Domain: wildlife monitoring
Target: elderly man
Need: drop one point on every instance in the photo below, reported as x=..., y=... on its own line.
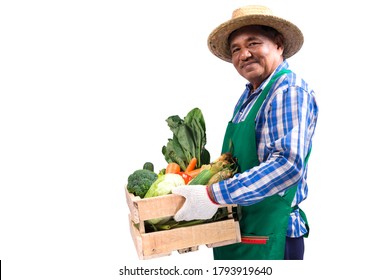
x=270, y=135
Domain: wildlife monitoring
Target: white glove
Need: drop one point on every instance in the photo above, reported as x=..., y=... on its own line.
x=197, y=206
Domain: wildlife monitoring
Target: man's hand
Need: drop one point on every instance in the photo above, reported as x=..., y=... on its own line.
x=197, y=206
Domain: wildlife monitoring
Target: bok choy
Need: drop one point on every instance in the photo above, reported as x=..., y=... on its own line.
x=188, y=141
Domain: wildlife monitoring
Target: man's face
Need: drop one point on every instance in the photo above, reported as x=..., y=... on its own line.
x=254, y=55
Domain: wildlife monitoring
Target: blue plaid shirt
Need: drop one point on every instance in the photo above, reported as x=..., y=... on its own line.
x=285, y=126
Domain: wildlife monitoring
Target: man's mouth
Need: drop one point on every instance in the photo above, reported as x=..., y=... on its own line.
x=246, y=64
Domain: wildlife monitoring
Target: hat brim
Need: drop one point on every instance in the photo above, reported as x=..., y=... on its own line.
x=218, y=38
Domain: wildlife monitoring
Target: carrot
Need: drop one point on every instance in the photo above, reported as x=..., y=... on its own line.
x=191, y=165
x=194, y=173
x=172, y=167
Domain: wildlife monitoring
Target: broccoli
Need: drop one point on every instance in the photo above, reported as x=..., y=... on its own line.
x=140, y=181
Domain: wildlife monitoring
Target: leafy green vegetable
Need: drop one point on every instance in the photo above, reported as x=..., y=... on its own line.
x=188, y=141
x=164, y=185
x=139, y=182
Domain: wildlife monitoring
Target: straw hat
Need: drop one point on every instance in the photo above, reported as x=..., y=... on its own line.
x=254, y=15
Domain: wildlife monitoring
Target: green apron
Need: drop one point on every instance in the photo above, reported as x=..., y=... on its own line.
x=264, y=224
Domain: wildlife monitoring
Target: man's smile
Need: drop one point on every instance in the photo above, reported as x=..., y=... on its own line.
x=247, y=64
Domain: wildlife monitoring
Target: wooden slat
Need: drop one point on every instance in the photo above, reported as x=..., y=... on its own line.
x=163, y=242
x=138, y=243
x=158, y=207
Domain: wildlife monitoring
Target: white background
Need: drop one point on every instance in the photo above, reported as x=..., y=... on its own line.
x=86, y=87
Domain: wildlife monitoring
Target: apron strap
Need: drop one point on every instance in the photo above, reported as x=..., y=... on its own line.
x=262, y=94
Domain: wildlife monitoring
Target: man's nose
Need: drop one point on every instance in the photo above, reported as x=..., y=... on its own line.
x=245, y=54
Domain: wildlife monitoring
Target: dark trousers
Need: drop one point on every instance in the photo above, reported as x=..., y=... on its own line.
x=295, y=248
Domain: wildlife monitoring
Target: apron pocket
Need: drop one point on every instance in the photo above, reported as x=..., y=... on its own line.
x=254, y=239
x=269, y=247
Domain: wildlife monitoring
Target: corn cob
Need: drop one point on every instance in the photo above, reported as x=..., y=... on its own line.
x=203, y=177
x=225, y=157
x=221, y=175
x=224, y=162
x=206, y=174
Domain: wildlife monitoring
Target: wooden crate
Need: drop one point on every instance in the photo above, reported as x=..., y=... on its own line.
x=184, y=239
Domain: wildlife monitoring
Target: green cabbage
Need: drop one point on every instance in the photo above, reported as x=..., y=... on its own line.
x=162, y=186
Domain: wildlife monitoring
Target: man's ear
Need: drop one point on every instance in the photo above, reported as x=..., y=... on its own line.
x=279, y=40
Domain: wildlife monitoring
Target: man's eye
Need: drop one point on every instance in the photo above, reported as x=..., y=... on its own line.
x=235, y=50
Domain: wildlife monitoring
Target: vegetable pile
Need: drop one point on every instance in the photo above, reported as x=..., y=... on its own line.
x=188, y=163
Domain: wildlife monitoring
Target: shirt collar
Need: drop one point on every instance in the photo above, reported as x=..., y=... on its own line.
x=249, y=87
